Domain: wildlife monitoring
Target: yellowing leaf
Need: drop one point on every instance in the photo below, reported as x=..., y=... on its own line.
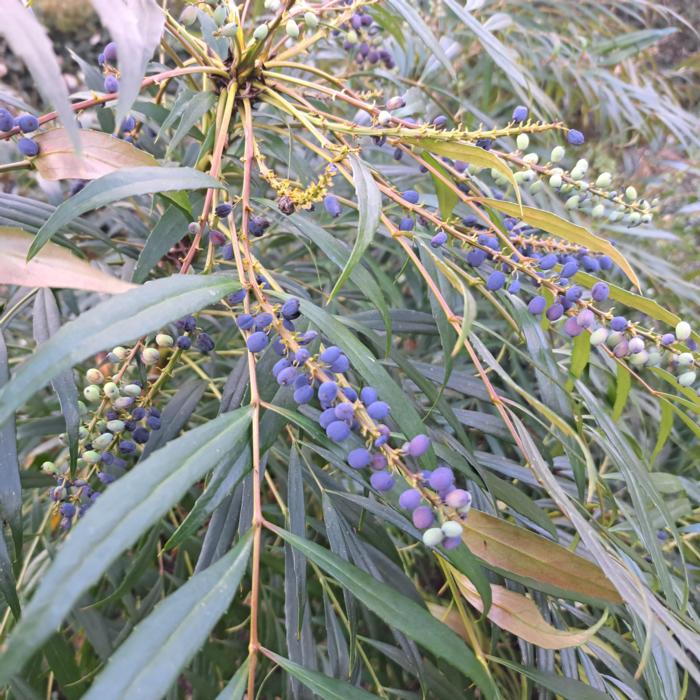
x=517, y=553
x=470, y=154
x=54, y=266
x=101, y=154
x=551, y=223
x=520, y=616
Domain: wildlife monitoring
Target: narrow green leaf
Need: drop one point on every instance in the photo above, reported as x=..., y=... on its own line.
x=325, y=686
x=369, y=202
x=400, y=612
x=236, y=687
x=580, y=354
x=622, y=390
x=418, y=25
x=120, y=185
x=447, y=199
x=665, y=426
x=124, y=511
x=150, y=660
x=119, y=319
x=7, y=578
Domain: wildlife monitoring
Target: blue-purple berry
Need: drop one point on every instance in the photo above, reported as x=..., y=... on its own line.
x=245, y=321
x=141, y=435
x=338, y=431
x=257, y=341
x=575, y=137
x=27, y=123
x=410, y=499
x=406, y=224
x=439, y=239
x=327, y=391
x=547, y=262
x=7, y=123
x=304, y=394
x=345, y=411
x=423, y=517
x=537, y=305
x=569, y=269
x=184, y=342
x=332, y=205
x=378, y=410
x=418, y=445
x=495, y=281
x=205, y=343
x=600, y=291
x=382, y=481
x=572, y=328
x=342, y=364
x=359, y=458
x=368, y=395
x=618, y=323
x=520, y=113
x=153, y=422
x=126, y=447
x=111, y=84
x=441, y=478
x=410, y=196
x=28, y=147
x=291, y=309
x=110, y=52
x=223, y=210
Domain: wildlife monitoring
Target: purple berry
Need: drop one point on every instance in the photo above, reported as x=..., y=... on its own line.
x=441, y=478
x=330, y=354
x=188, y=324
x=423, y=517
x=287, y=376
x=326, y=417
x=520, y=113
x=129, y=124
x=451, y=542
x=382, y=481
x=514, y=287
x=458, y=498
x=223, y=210
x=537, y=305
x=67, y=510
x=378, y=462
x=668, y=339
x=495, y=281
x=368, y=395
x=7, y=123
x=332, y=205
x=605, y=262
x=291, y=309
x=263, y=321
x=410, y=499
x=569, y=269
x=338, y=431
x=439, y=239
x=304, y=394
x=359, y=458
x=139, y=413
x=237, y=297
x=257, y=341
x=327, y=392
x=476, y=257
x=406, y=224
x=600, y=291
x=618, y=323
x=575, y=138
x=573, y=294
x=27, y=123
x=184, y=342
x=257, y=226
x=572, y=328
x=636, y=345
x=245, y=321
x=440, y=122
x=205, y=343
x=28, y=147
x=141, y=435
x=344, y=411
x=111, y=84
x=411, y=196
x=110, y=52
x=126, y=447
x=585, y=319
x=153, y=422
x=418, y=445
x=621, y=349
x=341, y=365
x=378, y=410
x=548, y=261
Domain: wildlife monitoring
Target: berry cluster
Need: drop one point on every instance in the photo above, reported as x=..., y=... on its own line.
x=363, y=38
x=26, y=124
x=108, y=60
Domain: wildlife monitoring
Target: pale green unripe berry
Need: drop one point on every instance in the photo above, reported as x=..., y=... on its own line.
x=535, y=187
x=555, y=181
x=452, y=528
x=292, y=29
x=132, y=390
x=646, y=218
x=630, y=194
x=685, y=359
x=519, y=176
x=522, y=141
x=103, y=441
x=473, y=169
x=529, y=176
x=94, y=376
x=613, y=216
x=115, y=426
x=634, y=218
x=599, y=336
x=229, y=30
x=352, y=37
x=683, y=330
x=111, y=390
x=572, y=202
x=82, y=433
x=120, y=352
x=163, y=340
x=310, y=20
x=433, y=536
x=639, y=358
x=614, y=338
x=48, y=467
x=604, y=180
x=189, y=15
x=557, y=155
x=384, y=117
x=654, y=358
x=687, y=378
x=91, y=457
x=261, y=32
x=91, y=393
x=598, y=211
x=531, y=158
x=566, y=188
x=582, y=164
x=150, y=356
x=578, y=174
x=220, y=15
x=82, y=408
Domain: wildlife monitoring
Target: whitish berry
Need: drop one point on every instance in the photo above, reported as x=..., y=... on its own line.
x=522, y=142
x=683, y=331
x=310, y=20
x=111, y=390
x=452, y=528
x=150, y=356
x=458, y=498
x=433, y=537
x=91, y=393
x=557, y=155
x=599, y=336
x=94, y=376
x=603, y=181
x=292, y=29
x=687, y=378
x=261, y=32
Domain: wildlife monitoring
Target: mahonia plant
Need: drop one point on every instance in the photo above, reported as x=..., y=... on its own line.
x=374, y=399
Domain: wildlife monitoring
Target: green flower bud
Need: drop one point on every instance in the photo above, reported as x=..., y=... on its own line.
x=598, y=211
x=163, y=340
x=132, y=390
x=603, y=181
x=630, y=194
x=91, y=393
x=683, y=330
x=522, y=142
x=599, y=336
x=687, y=378
x=452, y=528
x=188, y=16
x=48, y=467
x=94, y=376
x=91, y=457
x=292, y=29
x=310, y=20
x=261, y=32
x=111, y=390
x=150, y=356
x=572, y=202
x=557, y=155
x=555, y=181
x=433, y=536
x=103, y=441
x=115, y=426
